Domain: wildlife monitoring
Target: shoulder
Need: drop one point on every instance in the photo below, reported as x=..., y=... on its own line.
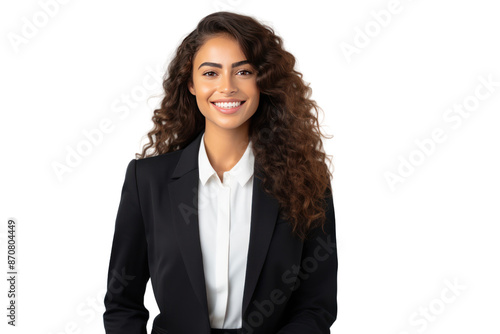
x=161, y=167
x=157, y=167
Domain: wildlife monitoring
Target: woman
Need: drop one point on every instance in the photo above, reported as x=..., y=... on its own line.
x=231, y=214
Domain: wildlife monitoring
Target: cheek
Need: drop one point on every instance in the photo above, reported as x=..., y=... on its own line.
x=254, y=93
x=253, y=90
x=205, y=91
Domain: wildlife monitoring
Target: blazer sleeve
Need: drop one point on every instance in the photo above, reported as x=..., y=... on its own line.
x=313, y=304
x=128, y=271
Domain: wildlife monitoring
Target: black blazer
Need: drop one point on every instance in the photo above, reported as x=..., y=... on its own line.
x=156, y=236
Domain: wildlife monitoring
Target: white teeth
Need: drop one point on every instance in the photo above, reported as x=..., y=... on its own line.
x=227, y=105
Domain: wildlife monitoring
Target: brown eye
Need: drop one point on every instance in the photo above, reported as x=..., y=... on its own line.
x=205, y=74
x=248, y=72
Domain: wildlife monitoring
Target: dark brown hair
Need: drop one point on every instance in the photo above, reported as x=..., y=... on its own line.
x=285, y=134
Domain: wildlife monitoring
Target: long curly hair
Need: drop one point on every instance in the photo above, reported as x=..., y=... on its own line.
x=285, y=133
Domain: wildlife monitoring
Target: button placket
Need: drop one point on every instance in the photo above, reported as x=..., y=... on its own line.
x=222, y=248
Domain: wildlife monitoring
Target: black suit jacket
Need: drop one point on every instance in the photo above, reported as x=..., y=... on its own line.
x=157, y=237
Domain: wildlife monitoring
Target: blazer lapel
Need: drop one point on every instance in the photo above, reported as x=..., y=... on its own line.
x=183, y=191
x=264, y=216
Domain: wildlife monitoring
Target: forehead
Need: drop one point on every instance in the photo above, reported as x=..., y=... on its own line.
x=220, y=49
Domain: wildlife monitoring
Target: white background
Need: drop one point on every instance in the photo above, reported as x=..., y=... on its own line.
x=397, y=246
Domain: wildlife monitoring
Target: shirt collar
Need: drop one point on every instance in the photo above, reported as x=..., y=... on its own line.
x=242, y=171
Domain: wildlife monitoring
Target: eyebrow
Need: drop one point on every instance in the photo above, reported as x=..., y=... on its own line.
x=220, y=66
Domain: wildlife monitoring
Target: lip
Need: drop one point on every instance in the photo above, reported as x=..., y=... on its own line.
x=228, y=111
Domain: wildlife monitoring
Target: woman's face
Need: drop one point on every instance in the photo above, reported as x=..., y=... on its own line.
x=221, y=73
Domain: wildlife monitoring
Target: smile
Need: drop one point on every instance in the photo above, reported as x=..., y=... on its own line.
x=228, y=105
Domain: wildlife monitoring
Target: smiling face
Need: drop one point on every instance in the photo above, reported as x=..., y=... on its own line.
x=225, y=84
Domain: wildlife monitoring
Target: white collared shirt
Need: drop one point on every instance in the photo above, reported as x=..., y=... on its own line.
x=224, y=212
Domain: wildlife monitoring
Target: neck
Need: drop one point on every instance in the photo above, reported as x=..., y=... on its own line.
x=225, y=147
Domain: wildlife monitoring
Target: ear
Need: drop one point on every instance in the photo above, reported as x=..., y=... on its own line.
x=191, y=87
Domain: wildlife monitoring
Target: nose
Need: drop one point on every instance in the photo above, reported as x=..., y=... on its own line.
x=227, y=84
